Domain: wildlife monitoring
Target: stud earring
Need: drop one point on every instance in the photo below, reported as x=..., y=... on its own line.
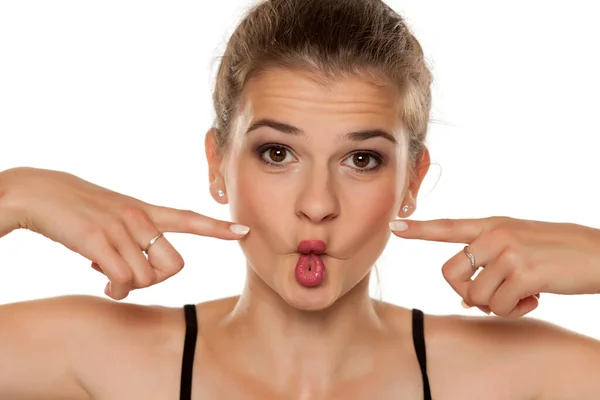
x=220, y=193
x=405, y=208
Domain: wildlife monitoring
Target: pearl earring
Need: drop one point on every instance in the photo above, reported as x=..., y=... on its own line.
x=405, y=208
x=220, y=193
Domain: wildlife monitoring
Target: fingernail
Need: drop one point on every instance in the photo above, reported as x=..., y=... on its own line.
x=398, y=225
x=239, y=229
x=465, y=305
x=107, y=289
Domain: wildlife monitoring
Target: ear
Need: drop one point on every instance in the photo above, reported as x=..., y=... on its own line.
x=214, y=157
x=410, y=198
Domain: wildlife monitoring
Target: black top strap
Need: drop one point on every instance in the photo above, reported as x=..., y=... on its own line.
x=189, y=349
x=191, y=333
x=419, y=342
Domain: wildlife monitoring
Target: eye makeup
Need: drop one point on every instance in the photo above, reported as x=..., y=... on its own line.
x=360, y=161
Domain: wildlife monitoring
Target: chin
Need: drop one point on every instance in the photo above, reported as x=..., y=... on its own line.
x=318, y=299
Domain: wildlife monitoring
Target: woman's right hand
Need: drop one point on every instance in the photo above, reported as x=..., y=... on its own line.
x=110, y=229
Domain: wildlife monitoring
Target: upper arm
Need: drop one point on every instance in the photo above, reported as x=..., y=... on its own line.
x=566, y=363
x=41, y=346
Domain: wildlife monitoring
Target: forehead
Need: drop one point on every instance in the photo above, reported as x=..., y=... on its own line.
x=300, y=99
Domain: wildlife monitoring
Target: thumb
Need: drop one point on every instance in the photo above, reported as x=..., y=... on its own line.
x=185, y=221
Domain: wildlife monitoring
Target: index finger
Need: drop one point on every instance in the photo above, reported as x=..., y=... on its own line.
x=443, y=230
x=185, y=221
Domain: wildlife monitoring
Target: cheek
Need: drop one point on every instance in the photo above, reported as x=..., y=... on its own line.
x=368, y=211
x=254, y=197
x=256, y=200
x=375, y=204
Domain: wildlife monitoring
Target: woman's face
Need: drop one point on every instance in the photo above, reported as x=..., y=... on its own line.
x=309, y=161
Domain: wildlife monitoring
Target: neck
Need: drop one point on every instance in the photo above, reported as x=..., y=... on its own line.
x=304, y=349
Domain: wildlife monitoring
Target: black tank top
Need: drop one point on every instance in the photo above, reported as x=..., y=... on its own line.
x=191, y=333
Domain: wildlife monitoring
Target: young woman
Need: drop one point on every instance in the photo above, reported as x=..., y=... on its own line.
x=319, y=146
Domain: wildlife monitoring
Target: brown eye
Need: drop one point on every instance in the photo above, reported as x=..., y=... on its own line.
x=277, y=154
x=361, y=160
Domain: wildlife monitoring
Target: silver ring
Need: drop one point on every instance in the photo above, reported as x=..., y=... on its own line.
x=154, y=239
x=471, y=258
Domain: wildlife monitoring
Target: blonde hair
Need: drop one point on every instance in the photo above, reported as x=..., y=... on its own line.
x=329, y=38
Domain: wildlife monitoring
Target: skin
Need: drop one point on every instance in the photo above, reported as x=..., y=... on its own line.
x=300, y=351
x=279, y=340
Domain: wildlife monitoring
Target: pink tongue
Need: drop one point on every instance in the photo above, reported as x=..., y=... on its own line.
x=310, y=270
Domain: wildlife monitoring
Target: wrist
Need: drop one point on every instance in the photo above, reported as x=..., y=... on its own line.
x=596, y=260
x=10, y=211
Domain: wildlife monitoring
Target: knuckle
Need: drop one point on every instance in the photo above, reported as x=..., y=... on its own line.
x=185, y=218
x=94, y=234
x=498, y=307
x=178, y=263
x=477, y=296
x=499, y=220
x=91, y=240
x=175, y=264
x=511, y=259
x=447, y=224
x=447, y=271
x=144, y=280
x=187, y=213
x=134, y=215
x=114, y=228
x=122, y=276
x=501, y=233
x=450, y=271
x=194, y=216
x=499, y=311
x=88, y=229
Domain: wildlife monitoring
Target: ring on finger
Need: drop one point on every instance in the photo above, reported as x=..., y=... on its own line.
x=152, y=241
x=471, y=259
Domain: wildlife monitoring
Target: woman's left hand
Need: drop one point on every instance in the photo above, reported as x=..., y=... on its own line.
x=520, y=259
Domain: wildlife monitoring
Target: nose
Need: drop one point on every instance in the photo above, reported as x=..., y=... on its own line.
x=317, y=199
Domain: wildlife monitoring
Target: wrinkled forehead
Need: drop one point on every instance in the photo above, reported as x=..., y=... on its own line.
x=327, y=109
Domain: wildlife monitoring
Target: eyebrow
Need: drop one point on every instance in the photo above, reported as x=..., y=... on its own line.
x=357, y=136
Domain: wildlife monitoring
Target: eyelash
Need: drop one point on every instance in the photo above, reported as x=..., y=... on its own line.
x=264, y=148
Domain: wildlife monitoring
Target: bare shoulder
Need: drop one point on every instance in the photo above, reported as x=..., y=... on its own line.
x=130, y=349
x=95, y=324
x=518, y=357
x=68, y=344
x=137, y=349
x=83, y=347
x=89, y=317
x=499, y=358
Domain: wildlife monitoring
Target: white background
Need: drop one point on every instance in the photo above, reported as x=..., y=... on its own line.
x=118, y=93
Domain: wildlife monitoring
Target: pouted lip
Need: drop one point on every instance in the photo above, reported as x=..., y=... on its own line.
x=312, y=246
